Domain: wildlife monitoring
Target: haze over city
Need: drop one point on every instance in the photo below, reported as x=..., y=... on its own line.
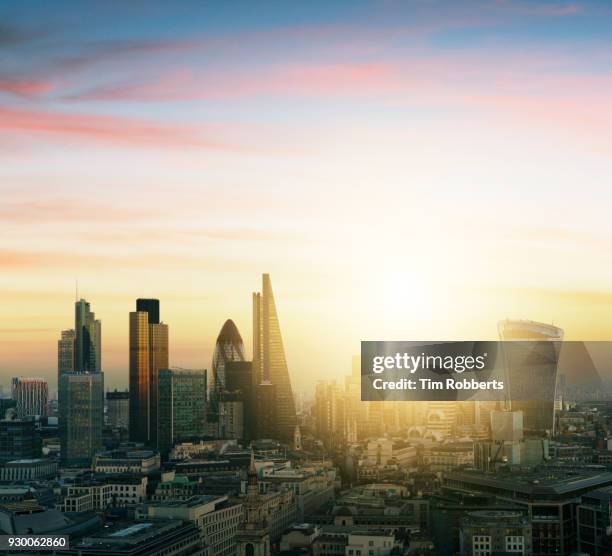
x=402, y=170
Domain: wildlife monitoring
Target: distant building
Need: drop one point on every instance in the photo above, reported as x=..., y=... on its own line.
x=88, y=339
x=148, y=354
x=269, y=362
x=181, y=399
x=531, y=356
x=81, y=416
x=28, y=470
x=31, y=396
x=127, y=460
x=5, y=405
x=66, y=352
x=19, y=439
x=100, y=491
x=266, y=410
x=118, y=409
x=228, y=348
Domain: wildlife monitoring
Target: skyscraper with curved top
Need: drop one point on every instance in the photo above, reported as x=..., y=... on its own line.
x=269, y=362
x=229, y=347
x=531, y=356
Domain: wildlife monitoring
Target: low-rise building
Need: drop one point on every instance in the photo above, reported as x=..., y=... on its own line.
x=216, y=516
x=127, y=460
x=28, y=469
x=495, y=532
x=103, y=491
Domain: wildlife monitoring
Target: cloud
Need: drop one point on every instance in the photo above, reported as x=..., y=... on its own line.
x=116, y=130
x=25, y=87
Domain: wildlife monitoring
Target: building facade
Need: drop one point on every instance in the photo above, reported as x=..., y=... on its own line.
x=269, y=361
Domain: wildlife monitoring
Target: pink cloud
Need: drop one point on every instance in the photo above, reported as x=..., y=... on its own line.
x=108, y=129
x=24, y=87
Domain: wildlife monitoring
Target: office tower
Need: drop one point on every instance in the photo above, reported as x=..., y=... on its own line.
x=31, y=396
x=182, y=406
x=88, y=339
x=531, y=354
x=149, y=306
x=19, y=438
x=81, y=415
x=239, y=381
x=148, y=354
x=328, y=412
x=269, y=363
x=229, y=347
x=118, y=409
x=231, y=415
x=253, y=538
x=266, y=410
x=66, y=352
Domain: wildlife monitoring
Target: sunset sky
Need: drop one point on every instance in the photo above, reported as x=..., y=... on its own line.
x=411, y=170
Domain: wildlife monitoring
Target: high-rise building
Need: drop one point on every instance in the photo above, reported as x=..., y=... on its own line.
x=148, y=354
x=19, y=438
x=149, y=306
x=228, y=348
x=269, y=362
x=182, y=406
x=88, y=339
x=31, y=396
x=81, y=415
x=239, y=382
x=266, y=410
x=118, y=409
x=66, y=352
x=531, y=355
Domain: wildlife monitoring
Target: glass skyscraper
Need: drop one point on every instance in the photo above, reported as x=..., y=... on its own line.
x=148, y=354
x=81, y=415
x=531, y=356
x=182, y=407
x=269, y=363
x=88, y=339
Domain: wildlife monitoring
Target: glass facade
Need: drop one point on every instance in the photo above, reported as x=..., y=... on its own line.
x=269, y=363
x=81, y=415
x=182, y=407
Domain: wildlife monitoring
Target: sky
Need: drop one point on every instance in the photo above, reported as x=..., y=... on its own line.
x=413, y=170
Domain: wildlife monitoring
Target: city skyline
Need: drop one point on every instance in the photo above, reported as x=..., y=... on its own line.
x=394, y=169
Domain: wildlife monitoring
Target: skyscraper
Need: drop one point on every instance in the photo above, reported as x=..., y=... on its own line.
x=88, y=339
x=118, y=409
x=81, y=415
x=148, y=354
x=31, y=396
x=531, y=355
x=229, y=348
x=66, y=352
x=269, y=363
x=182, y=414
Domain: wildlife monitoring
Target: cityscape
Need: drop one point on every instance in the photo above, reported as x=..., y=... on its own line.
x=229, y=460
x=324, y=278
